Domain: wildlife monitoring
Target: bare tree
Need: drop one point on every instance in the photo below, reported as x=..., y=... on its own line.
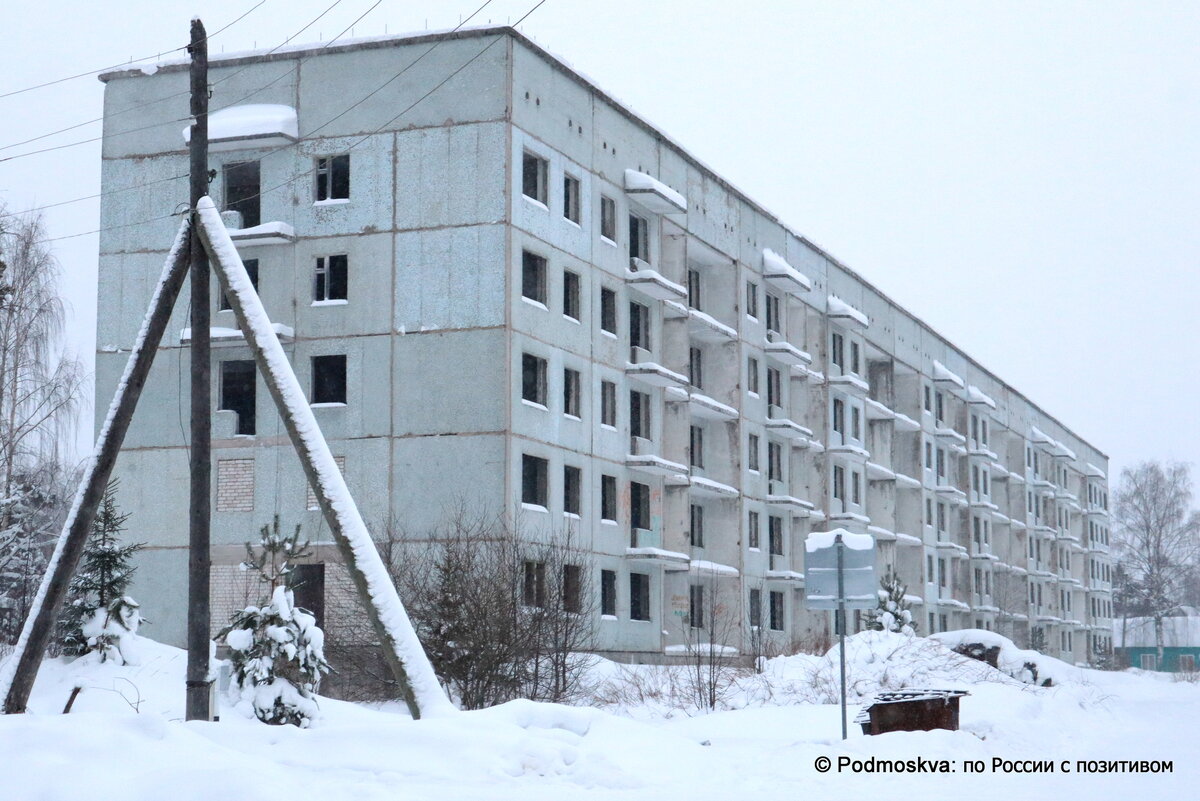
x=1155, y=534
x=709, y=628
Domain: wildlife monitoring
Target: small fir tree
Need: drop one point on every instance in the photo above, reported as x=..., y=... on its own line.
x=276, y=648
x=894, y=612
x=100, y=617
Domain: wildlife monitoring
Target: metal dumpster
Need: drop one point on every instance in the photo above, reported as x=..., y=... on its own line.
x=911, y=710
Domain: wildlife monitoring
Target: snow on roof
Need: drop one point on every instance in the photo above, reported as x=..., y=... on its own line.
x=1041, y=437
x=840, y=308
x=705, y=566
x=1094, y=472
x=251, y=121
x=664, y=197
x=825, y=539
x=943, y=373
x=774, y=264
x=977, y=395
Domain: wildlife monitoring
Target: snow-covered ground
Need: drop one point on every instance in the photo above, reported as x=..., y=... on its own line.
x=124, y=738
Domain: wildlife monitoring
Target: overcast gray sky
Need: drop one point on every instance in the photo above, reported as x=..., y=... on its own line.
x=1023, y=176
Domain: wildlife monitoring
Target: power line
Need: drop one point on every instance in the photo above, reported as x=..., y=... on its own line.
x=131, y=61
x=92, y=197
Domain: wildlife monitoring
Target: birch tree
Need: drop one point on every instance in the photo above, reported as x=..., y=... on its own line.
x=1156, y=536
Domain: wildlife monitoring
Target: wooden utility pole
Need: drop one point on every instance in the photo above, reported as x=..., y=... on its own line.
x=16, y=679
x=199, y=558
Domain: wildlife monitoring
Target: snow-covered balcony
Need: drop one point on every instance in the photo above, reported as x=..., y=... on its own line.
x=706, y=328
x=780, y=500
x=780, y=424
x=842, y=312
x=228, y=337
x=785, y=352
x=706, y=408
x=653, y=195
x=643, y=458
x=708, y=488
x=642, y=278
x=782, y=276
x=268, y=233
x=850, y=383
x=645, y=546
x=254, y=125
x=642, y=367
x=945, y=377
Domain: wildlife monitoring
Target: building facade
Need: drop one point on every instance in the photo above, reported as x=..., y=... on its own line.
x=503, y=288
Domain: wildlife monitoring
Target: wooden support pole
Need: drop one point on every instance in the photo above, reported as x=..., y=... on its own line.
x=417, y=683
x=200, y=459
x=19, y=672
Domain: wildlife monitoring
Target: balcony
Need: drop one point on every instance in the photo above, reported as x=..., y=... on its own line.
x=270, y=233
x=708, y=488
x=842, y=312
x=850, y=383
x=653, y=195
x=706, y=328
x=779, y=499
x=642, y=457
x=706, y=408
x=645, y=546
x=254, y=125
x=781, y=425
x=778, y=274
x=785, y=352
x=643, y=368
x=219, y=336
x=641, y=277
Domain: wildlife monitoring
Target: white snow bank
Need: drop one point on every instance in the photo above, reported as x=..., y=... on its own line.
x=1030, y=667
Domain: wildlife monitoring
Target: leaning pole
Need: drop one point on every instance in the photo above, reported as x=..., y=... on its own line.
x=18, y=673
x=415, y=678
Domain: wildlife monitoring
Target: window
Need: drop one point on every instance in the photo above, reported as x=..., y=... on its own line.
x=855, y=422
x=839, y=416
x=639, y=414
x=696, y=606
x=941, y=462
x=533, y=276
x=329, y=379
x=939, y=406
x=855, y=487
x=696, y=367
x=854, y=358
x=696, y=532
x=331, y=278
x=693, y=289
x=639, y=505
x=572, y=393
x=776, y=611
x=696, y=446
x=774, y=461
x=639, y=326
x=608, y=218
x=533, y=379
x=755, y=605
x=774, y=387
x=237, y=393
x=333, y=177
x=533, y=588
x=571, y=198
x=751, y=299
x=608, y=403
x=930, y=576
x=608, y=311
x=307, y=583
x=251, y=266
x=775, y=535
x=837, y=349
x=1187, y=663
x=752, y=531
x=243, y=192
x=572, y=482
x=941, y=518
x=608, y=593
x=943, y=577
x=570, y=294
x=639, y=238
x=839, y=482
x=534, y=171
x=928, y=455
x=752, y=448
x=639, y=596
x=608, y=498
x=928, y=405
x=752, y=375
x=533, y=480
x=572, y=589
x=774, y=320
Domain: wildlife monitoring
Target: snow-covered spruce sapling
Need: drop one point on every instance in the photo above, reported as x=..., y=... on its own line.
x=894, y=612
x=100, y=617
x=276, y=648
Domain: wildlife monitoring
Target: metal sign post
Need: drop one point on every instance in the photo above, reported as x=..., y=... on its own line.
x=839, y=574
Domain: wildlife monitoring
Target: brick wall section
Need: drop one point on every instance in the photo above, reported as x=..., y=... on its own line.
x=310, y=498
x=232, y=589
x=235, y=485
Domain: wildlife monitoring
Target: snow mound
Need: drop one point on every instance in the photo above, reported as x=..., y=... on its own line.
x=882, y=660
x=1030, y=667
